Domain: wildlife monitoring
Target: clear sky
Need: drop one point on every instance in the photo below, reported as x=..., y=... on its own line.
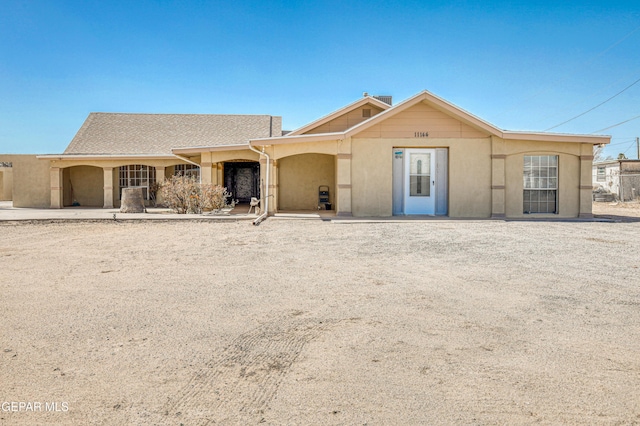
x=521, y=65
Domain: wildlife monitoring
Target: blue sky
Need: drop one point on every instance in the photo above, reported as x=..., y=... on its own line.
x=519, y=65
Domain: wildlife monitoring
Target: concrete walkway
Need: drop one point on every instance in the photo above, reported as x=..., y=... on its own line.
x=10, y=213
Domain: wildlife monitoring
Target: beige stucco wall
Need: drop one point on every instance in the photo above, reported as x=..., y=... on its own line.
x=485, y=172
x=6, y=183
x=469, y=175
x=84, y=185
x=299, y=177
x=421, y=118
x=87, y=177
x=569, y=174
x=469, y=161
x=330, y=147
x=31, y=181
x=345, y=121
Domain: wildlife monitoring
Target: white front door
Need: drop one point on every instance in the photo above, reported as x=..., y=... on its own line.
x=419, y=184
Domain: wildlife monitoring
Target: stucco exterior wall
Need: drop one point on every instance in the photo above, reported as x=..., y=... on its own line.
x=345, y=121
x=299, y=177
x=569, y=176
x=6, y=183
x=31, y=182
x=84, y=185
x=485, y=171
x=421, y=118
x=329, y=147
x=469, y=175
x=87, y=177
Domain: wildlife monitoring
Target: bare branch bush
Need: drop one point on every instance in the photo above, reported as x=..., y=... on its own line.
x=183, y=194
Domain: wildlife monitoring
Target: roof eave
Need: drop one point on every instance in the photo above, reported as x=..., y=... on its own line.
x=316, y=137
x=199, y=149
x=102, y=156
x=557, y=137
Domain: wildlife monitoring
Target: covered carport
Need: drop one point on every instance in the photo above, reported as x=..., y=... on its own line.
x=301, y=177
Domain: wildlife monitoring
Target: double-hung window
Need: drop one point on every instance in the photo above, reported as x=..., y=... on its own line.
x=540, y=184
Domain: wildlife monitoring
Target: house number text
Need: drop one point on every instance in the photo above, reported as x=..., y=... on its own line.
x=421, y=135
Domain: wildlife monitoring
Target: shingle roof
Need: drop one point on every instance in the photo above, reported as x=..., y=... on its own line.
x=116, y=133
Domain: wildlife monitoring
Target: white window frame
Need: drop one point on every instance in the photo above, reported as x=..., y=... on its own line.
x=540, y=184
x=601, y=177
x=137, y=176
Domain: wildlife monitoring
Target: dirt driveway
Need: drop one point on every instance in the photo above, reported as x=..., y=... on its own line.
x=310, y=322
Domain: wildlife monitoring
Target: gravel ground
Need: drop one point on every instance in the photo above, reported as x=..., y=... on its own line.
x=311, y=322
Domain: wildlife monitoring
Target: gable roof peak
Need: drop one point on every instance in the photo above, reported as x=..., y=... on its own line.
x=352, y=106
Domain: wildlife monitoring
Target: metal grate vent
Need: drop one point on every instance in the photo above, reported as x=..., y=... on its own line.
x=386, y=99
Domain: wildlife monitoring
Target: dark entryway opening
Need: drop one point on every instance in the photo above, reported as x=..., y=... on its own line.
x=242, y=180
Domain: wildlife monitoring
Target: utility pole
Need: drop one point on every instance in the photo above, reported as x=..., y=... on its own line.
x=638, y=147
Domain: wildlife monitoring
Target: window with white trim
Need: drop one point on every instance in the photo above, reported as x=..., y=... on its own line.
x=190, y=170
x=137, y=175
x=540, y=184
x=602, y=174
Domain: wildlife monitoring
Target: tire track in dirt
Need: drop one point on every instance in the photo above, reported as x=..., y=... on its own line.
x=242, y=378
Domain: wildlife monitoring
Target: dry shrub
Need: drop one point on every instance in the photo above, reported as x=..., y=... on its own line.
x=183, y=194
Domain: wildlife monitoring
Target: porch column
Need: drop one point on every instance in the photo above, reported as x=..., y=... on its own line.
x=205, y=172
x=160, y=170
x=498, y=180
x=343, y=184
x=205, y=168
x=218, y=169
x=108, y=187
x=586, y=182
x=56, y=187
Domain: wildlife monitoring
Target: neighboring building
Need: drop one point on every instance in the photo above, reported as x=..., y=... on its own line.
x=422, y=156
x=620, y=177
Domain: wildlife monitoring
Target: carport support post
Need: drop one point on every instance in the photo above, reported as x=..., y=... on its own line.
x=266, y=191
x=586, y=181
x=160, y=173
x=56, y=187
x=498, y=179
x=108, y=187
x=160, y=170
x=205, y=168
x=343, y=184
